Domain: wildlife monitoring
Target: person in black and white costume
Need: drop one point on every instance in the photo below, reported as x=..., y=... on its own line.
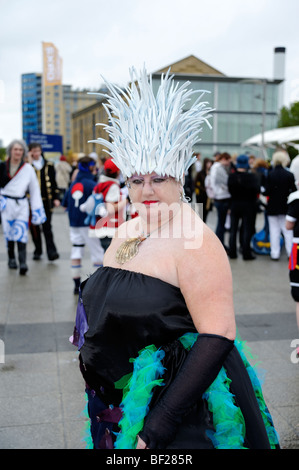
x=17, y=181
x=292, y=223
x=45, y=173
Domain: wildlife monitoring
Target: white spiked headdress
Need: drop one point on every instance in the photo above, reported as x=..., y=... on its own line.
x=153, y=133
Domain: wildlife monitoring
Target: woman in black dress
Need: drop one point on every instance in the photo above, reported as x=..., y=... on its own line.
x=155, y=326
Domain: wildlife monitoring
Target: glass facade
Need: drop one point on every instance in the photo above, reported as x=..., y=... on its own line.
x=242, y=108
x=54, y=104
x=31, y=103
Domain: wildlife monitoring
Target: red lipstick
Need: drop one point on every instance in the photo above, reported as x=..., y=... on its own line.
x=147, y=203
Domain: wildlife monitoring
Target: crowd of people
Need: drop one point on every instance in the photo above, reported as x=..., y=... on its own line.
x=93, y=193
x=91, y=190
x=239, y=187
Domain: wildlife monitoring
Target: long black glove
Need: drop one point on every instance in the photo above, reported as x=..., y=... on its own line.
x=198, y=372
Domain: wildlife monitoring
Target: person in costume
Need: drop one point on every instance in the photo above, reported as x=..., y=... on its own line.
x=45, y=172
x=155, y=327
x=63, y=172
x=222, y=199
x=280, y=183
x=107, y=204
x=200, y=188
x=292, y=224
x=78, y=192
x=244, y=189
x=17, y=181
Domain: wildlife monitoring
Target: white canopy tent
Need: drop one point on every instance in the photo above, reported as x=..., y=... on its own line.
x=276, y=137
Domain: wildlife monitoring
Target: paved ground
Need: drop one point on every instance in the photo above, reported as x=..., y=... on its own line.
x=41, y=390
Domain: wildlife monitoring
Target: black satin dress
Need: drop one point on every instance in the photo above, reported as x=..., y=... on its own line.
x=127, y=311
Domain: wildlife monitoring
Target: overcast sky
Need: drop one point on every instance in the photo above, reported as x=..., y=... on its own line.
x=106, y=37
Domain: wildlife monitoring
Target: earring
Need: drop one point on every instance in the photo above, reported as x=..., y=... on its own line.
x=183, y=197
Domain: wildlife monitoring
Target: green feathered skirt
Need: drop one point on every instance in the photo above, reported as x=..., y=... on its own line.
x=231, y=414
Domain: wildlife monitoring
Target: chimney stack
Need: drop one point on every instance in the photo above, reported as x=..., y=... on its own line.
x=279, y=63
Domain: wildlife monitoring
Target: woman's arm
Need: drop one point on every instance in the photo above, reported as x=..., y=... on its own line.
x=205, y=281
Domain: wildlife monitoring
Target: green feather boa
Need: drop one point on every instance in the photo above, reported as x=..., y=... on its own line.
x=228, y=420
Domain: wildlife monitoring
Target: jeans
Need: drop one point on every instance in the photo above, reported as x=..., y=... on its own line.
x=222, y=206
x=244, y=211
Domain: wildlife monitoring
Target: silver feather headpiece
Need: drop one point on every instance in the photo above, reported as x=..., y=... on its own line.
x=153, y=133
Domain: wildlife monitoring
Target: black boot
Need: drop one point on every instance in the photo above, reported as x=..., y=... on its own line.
x=12, y=264
x=77, y=282
x=22, y=258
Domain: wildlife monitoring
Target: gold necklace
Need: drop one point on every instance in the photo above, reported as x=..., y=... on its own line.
x=129, y=248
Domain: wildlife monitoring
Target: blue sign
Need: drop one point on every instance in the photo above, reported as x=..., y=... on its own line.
x=49, y=142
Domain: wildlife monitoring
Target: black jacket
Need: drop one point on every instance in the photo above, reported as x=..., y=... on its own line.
x=48, y=185
x=243, y=186
x=279, y=184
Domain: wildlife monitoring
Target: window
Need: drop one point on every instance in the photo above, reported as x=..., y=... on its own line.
x=229, y=96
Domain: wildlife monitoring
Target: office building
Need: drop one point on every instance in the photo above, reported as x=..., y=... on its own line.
x=84, y=129
x=60, y=102
x=47, y=104
x=242, y=106
x=51, y=115
x=31, y=103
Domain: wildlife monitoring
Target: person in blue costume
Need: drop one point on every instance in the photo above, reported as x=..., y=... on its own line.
x=77, y=194
x=155, y=326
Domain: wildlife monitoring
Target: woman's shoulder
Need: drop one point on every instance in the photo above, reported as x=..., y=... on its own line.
x=204, y=270
x=199, y=244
